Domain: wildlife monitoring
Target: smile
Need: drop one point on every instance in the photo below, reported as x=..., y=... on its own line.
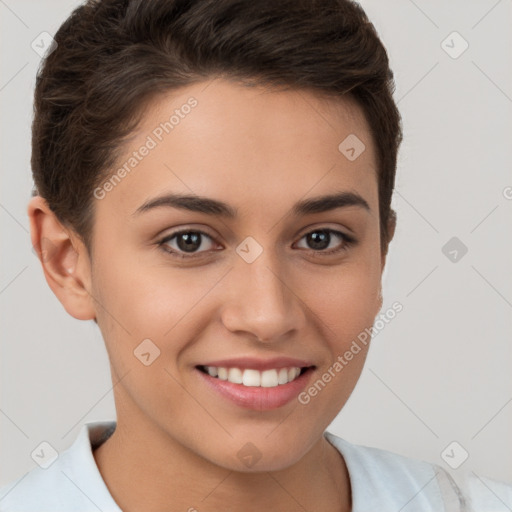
x=254, y=378
x=249, y=388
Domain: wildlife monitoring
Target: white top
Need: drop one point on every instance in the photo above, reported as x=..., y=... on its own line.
x=380, y=481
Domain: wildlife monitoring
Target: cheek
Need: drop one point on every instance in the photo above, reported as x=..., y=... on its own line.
x=346, y=302
x=145, y=318
x=346, y=307
x=156, y=302
x=149, y=300
x=346, y=299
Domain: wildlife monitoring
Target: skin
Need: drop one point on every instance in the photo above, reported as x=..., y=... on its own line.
x=260, y=151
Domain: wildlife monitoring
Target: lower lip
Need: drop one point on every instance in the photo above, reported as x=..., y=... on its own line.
x=256, y=397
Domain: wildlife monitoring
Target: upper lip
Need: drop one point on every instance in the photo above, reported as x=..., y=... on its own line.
x=259, y=364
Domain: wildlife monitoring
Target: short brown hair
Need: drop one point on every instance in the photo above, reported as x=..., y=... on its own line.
x=114, y=56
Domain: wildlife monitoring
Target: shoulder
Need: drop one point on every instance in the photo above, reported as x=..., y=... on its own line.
x=30, y=491
x=72, y=483
x=42, y=489
x=382, y=480
x=485, y=494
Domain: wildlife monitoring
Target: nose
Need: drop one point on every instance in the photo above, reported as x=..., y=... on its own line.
x=262, y=301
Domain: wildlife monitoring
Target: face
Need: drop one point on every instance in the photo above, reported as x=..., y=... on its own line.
x=272, y=279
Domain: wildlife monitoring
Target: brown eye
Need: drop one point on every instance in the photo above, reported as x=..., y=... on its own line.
x=186, y=242
x=327, y=241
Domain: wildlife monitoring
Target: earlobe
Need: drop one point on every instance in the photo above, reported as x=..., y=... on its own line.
x=64, y=260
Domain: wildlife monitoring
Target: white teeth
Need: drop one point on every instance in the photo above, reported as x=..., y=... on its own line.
x=251, y=378
x=269, y=379
x=255, y=378
x=235, y=375
x=292, y=373
x=282, y=378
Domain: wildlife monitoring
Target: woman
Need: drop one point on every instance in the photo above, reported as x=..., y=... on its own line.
x=213, y=189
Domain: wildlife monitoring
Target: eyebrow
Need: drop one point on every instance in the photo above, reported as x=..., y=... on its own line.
x=218, y=208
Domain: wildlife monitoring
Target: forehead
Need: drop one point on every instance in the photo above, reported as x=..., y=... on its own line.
x=254, y=147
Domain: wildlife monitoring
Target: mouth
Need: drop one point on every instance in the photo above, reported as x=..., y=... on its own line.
x=251, y=377
x=256, y=389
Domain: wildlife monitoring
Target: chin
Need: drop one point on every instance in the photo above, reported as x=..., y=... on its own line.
x=247, y=457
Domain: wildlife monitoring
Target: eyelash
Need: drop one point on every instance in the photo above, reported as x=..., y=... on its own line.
x=348, y=241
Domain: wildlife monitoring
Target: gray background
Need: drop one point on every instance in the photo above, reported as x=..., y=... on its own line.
x=439, y=372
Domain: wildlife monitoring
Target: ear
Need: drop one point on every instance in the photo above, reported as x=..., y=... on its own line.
x=64, y=259
x=391, y=234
